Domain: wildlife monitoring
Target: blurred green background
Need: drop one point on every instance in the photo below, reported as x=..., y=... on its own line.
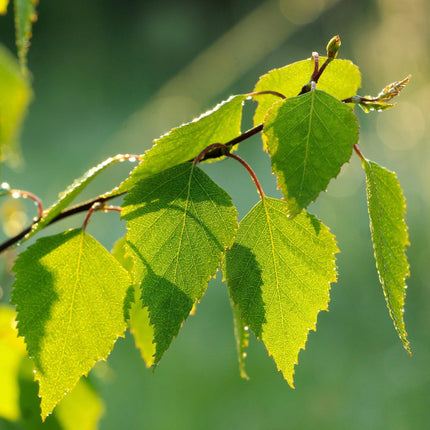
x=109, y=76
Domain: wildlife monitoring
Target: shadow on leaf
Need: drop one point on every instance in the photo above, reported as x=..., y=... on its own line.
x=167, y=304
x=243, y=274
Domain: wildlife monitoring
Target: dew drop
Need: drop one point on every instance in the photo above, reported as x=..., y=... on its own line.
x=246, y=328
x=5, y=186
x=132, y=159
x=15, y=195
x=34, y=370
x=244, y=355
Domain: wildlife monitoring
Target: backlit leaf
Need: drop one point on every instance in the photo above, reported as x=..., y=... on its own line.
x=67, y=196
x=25, y=15
x=278, y=273
x=15, y=97
x=187, y=141
x=387, y=207
x=70, y=294
x=341, y=79
x=179, y=223
x=309, y=137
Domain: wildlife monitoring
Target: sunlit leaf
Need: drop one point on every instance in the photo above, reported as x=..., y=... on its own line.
x=187, y=141
x=341, y=79
x=309, y=137
x=15, y=97
x=179, y=223
x=70, y=294
x=278, y=273
x=67, y=196
x=387, y=208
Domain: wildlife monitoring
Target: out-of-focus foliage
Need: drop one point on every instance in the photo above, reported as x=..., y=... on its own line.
x=15, y=97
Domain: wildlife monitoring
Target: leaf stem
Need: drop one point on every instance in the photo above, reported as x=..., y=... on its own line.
x=250, y=171
x=321, y=70
x=358, y=152
x=208, y=149
x=218, y=150
x=273, y=93
x=98, y=206
x=5, y=190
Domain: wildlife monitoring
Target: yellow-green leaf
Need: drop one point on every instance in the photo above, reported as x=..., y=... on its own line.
x=278, y=273
x=341, y=79
x=187, y=141
x=71, y=192
x=387, y=209
x=70, y=294
x=179, y=223
x=15, y=97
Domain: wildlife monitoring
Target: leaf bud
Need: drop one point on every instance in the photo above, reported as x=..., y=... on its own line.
x=333, y=47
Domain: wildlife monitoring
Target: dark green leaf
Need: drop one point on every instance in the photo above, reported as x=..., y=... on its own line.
x=139, y=323
x=309, y=137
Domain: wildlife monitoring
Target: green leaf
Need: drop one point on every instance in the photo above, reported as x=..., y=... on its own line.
x=67, y=196
x=139, y=323
x=186, y=142
x=341, y=79
x=25, y=15
x=278, y=273
x=12, y=352
x=70, y=295
x=179, y=223
x=387, y=207
x=309, y=137
x=241, y=335
x=15, y=97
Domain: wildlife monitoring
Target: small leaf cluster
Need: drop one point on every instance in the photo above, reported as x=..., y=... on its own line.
x=74, y=298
